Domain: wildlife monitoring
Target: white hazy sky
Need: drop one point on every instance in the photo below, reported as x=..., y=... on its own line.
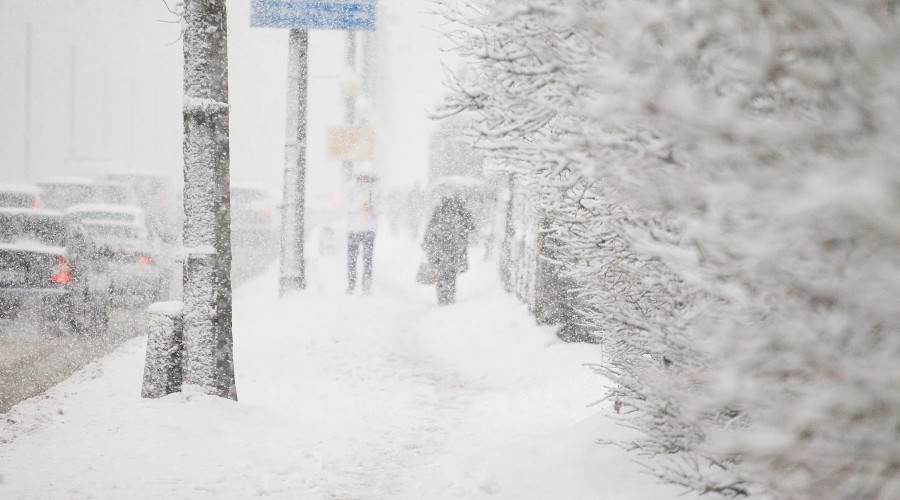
x=106, y=91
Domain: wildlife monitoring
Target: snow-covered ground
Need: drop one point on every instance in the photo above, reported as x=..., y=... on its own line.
x=343, y=397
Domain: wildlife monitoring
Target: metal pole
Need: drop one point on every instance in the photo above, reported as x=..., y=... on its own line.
x=27, y=163
x=368, y=64
x=292, y=272
x=73, y=65
x=105, y=131
x=132, y=122
x=350, y=100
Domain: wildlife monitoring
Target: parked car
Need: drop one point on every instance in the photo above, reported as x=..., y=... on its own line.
x=90, y=212
x=48, y=263
x=20, y=196
x=60, y=194
x=251, y=217
x=138, y=258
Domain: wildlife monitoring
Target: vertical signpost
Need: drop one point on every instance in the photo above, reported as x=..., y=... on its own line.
x=27, y=162
x=300, y=16
x=350, y=99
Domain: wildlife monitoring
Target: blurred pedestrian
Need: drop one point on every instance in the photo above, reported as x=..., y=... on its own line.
x=446, y=239
x=362, y=222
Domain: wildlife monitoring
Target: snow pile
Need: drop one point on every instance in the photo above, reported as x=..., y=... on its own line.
x=385, y=396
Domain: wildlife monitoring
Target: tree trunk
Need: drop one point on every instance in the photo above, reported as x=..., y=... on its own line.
x=209, y=361
x=165, y=350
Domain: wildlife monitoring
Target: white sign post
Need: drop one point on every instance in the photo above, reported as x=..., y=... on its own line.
x=300, y=16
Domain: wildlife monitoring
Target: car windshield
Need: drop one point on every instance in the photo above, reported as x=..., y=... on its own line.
x=111, y=193
x=16, y=200
x=108, y=216
x=35, y=229
x=115, y=232
x=247, y=195
x=61, y=196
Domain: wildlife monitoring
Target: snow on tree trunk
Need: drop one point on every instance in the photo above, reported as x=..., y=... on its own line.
x=165, y=350
x=209, y=360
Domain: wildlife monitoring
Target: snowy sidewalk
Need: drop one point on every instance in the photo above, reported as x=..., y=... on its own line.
x=386, y=396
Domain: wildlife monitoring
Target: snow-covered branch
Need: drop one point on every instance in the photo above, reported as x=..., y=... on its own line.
x=713, y=185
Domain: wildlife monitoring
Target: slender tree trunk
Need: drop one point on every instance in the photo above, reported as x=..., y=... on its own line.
x=209, y=361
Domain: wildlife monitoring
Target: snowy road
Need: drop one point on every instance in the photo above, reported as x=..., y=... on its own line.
x=31, y=362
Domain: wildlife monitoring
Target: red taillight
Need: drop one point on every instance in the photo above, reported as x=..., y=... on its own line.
x=62, y=271
x=143, y=259
x=35, y=205
x=265, y=212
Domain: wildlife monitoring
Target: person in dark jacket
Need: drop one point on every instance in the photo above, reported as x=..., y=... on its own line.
x=446, y=239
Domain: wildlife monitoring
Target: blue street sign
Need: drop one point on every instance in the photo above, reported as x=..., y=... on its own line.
x=314, y=14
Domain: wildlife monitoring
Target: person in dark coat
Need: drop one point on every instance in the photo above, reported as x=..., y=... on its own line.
x=446, y=239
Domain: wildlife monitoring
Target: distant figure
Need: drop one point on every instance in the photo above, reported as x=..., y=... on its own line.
x=361, y=224
x=446, y=239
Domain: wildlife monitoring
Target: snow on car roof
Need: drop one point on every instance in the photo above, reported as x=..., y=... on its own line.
x=145, y=174
x=112, y=223
x=31, y=246
x=20, y=188
x=67, y=180
x=255, y=186
x=106, y=207
x=30, y=211
x=81, y=181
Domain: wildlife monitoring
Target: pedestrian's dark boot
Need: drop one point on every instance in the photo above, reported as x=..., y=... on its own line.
x=442, y=292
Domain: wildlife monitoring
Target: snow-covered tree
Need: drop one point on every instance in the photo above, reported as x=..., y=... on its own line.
x=721, y=183
x=208, y=356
